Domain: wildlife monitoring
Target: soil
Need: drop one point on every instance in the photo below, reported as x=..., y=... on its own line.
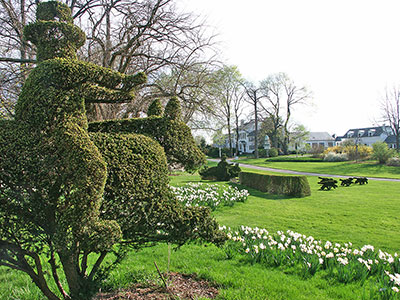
x=179, y=286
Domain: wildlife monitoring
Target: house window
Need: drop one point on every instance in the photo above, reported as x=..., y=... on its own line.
x=330, y=144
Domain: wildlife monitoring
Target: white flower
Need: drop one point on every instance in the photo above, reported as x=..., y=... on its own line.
x=395, y=289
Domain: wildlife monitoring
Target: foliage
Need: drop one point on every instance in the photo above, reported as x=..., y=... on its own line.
x=262, y=152
x=173, y=109
x=333, y=156
x=273, y=152
x=224, y=171
x=173, y=135
x=394, y=161
x=210, y=195
x=351, y=150
x=67, y=195
x=342, y=262
x=214, y=152
x=155, y=108
x=381, y=152
x=296, y=186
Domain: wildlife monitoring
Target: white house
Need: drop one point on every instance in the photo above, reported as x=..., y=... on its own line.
x=319, y=140
x=370, y=135
x=246, y=138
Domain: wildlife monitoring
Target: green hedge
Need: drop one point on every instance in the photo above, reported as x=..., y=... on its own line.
x=295, y=186
x=173, y=135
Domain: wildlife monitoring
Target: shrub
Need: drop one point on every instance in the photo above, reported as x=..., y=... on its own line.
x=224, y=171
x=262, y=153
x=295, y=186
x=155, y=108
x=273, y=152
x=173, y=109
x=381, y=152
x=214, y=152
x=332, y=156
x=173, y=135
x=394, y=161
x=352, y=151
x=67, y=197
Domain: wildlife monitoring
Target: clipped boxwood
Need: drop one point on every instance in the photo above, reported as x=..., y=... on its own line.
x=172, y=134
x=295, y=186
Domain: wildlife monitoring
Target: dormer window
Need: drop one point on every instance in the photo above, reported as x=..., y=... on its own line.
x=350, y=134
x=360, y=133
x=371, y=132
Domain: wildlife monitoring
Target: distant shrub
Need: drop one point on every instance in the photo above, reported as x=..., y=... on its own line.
x=295, y=186
x=273, y=152
x=214, y=152
x=394, y=161
x=381, y=152
x=262, y=153
x=352, y=151
x=224, y=171
x=332, y=156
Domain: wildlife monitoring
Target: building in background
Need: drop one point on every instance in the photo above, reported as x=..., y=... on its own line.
x=370, y=135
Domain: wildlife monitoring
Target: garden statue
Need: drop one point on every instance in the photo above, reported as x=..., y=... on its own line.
x=346, y=182
x=361, y=180
x=327, y=183
x=224, y=171
x=66, y=192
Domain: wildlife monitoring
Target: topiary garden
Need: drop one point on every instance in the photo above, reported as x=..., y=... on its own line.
x=70, y=190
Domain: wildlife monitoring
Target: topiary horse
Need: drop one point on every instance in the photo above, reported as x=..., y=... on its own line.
x=67, y=193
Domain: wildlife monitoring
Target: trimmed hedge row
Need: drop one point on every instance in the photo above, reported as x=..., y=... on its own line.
x=295, y=186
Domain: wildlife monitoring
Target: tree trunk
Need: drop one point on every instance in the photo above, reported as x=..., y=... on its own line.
x=256, y=128
x=71, y=270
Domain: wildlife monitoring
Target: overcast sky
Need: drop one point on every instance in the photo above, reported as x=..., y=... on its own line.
x=345, y=51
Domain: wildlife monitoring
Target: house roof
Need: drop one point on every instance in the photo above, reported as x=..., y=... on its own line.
x=367, y=132
x=391, y=139
x=319, y=136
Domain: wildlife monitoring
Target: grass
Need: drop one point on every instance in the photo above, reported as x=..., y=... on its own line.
x=366, y=168
x=360, y=214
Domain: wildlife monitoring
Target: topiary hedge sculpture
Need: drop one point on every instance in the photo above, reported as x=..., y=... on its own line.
x=66, y=193
x=224, y=171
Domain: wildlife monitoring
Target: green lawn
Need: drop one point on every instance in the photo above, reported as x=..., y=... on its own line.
x=360, y=214
x=368, y=168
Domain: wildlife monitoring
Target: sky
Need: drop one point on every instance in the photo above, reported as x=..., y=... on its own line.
x=346, y=52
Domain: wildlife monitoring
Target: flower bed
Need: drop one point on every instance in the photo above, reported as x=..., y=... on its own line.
x=340, y=261
x=211, y=195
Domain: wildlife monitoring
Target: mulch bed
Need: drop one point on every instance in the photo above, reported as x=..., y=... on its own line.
x=180, y=286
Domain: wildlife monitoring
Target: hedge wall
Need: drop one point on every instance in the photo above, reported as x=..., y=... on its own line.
x=295, y=186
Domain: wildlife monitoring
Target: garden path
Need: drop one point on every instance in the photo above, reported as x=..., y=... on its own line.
x=302, y=173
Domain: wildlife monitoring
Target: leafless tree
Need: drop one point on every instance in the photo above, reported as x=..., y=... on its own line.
x=238, y=108
x=390, y=106
x=253, y=97
x=282, y=93
x=227, y=83
x=126, y=35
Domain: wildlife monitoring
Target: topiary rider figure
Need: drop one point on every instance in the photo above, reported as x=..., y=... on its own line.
x=53, y=173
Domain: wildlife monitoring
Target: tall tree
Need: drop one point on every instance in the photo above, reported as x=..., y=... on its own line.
x=253, y=97
x=126, y=35
x=390, y=107
x=282, y=95
x=225, y=90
